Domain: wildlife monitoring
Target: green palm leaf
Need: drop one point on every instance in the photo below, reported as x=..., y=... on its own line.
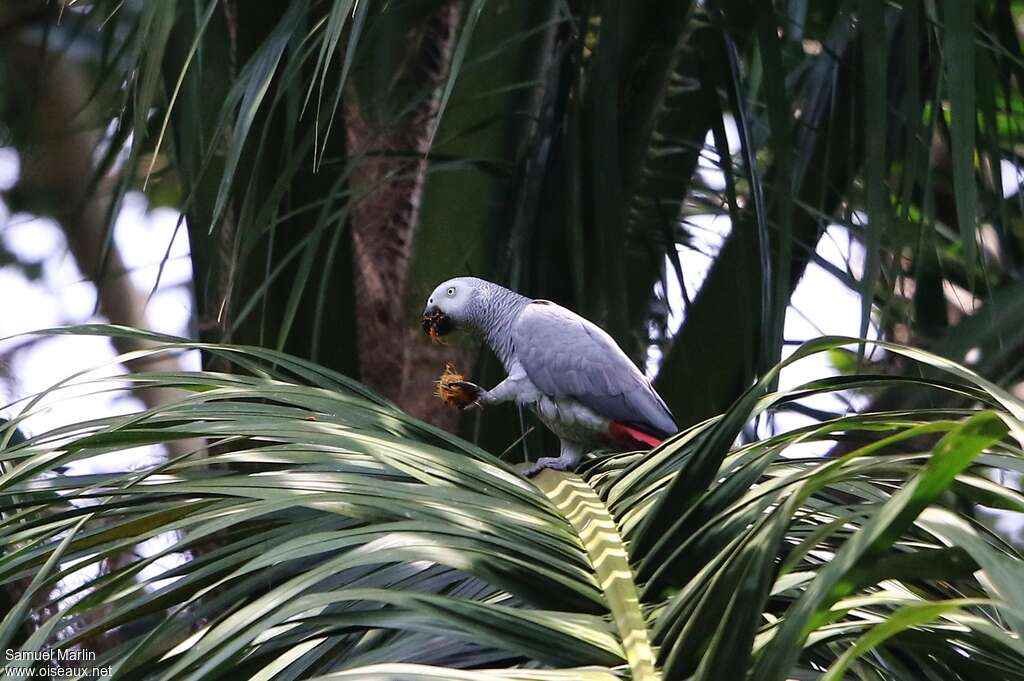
x=325, y=534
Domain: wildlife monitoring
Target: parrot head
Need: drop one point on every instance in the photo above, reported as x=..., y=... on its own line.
x=450, y=305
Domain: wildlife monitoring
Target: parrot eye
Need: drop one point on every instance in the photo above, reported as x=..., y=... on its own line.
x=451, y=291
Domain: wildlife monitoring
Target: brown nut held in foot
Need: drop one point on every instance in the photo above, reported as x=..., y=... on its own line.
x=452, y=389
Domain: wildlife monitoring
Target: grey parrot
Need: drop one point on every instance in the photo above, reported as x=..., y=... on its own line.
x=570, y=372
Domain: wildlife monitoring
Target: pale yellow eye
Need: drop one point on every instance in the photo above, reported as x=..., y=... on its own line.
x=451, y=291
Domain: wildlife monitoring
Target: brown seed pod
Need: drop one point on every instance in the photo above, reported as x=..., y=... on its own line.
x=451, y=393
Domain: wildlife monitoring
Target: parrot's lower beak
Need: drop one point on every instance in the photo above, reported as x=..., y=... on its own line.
x=437, y=323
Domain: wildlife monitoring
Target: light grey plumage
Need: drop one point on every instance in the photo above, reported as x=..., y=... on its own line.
x=566, y=355
x=564, y=367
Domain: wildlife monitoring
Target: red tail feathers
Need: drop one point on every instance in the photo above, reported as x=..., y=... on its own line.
x=631, y=436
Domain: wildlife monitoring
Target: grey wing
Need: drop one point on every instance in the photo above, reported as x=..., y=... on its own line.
x=567, y=356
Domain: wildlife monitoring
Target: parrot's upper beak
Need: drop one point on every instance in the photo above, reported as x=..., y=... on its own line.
x=436, y=323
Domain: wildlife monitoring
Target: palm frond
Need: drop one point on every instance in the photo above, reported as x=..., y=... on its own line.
x=327, y=534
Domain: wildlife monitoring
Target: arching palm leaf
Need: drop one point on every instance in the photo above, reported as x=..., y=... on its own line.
x=325, y=533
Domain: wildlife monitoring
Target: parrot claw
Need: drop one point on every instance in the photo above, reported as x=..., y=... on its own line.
x=555, y=463
x=473, y=389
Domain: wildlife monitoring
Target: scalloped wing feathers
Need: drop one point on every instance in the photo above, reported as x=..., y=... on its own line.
x=566, y=355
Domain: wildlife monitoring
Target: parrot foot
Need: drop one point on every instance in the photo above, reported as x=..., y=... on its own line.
x=556, y=463
x=476, y=393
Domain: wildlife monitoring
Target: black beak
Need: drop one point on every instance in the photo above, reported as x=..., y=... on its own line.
x=436, y=323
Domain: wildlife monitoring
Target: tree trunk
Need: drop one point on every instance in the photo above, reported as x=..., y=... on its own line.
x=388, y=187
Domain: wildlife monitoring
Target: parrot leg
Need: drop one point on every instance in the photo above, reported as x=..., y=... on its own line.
x=512, y=389
x=566, y=461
